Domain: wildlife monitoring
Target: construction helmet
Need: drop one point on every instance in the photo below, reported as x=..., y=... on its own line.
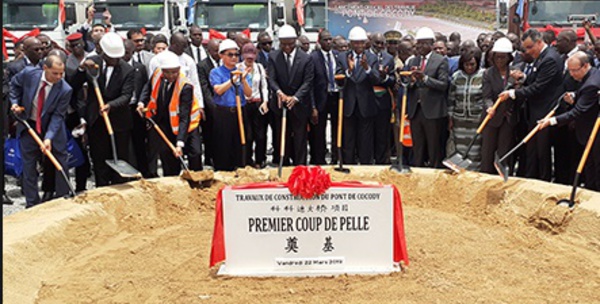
x=425, y=33
x=357, y=33
x=287, y=31
x=112, y=45
x=502, y=45
x=228, y=44
x=169, y=60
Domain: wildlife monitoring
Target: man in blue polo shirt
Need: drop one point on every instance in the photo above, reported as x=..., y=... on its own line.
x=228, y=147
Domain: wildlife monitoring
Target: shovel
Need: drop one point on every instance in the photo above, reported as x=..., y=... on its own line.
x=186, y=174
x=457, y=161
x=340, y=79
x=123, y=168
x=571, y=201
x=238, y=105
x=282, y=142
x=48, y=154
x=501, y=167
x=398, y=166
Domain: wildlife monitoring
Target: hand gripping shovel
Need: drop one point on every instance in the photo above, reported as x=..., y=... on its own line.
x=588, y=147
x=502, y=167
x=238, y=105
x=457, y=161
x=120, y=166
x=48, y=154
x=340, y=79
x=398, y=166
x=282, y=141
x=186, y=174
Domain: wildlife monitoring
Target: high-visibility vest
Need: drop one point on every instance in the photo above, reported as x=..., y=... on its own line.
x=407, y=139
x=174, y=103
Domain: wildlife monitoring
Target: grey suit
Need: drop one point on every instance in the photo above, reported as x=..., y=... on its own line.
x=428, y=109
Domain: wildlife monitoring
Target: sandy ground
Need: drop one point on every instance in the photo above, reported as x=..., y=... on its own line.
x=471, y=239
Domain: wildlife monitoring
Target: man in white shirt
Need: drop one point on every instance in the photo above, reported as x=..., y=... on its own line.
x=195, y=48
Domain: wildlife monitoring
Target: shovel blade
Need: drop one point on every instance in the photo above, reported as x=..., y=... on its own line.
x=197, y=176
x=455, y=162
x=566, y=202
x=501, y=168
x=123, y=168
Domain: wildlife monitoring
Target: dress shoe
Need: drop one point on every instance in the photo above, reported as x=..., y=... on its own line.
x=6, y=200
x=47, y=196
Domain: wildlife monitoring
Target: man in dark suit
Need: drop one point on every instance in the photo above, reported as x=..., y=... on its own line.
x=116, y=86
x=584, y=113
x=362, y=72
x=195, y=48
x=325, y=97
x=45, y=96
x=33, y=52
x=383, y=98
x=291, y=73
x=139, y=134
x=427, y=100
x=265, y=46
x=204, y=68
x=540, y=92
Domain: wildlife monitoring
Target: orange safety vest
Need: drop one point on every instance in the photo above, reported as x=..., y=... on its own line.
x=174, y=104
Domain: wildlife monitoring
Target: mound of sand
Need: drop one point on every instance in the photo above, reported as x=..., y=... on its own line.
x=471, y=239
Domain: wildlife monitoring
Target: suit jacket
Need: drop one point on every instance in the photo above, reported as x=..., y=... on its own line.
x=320, y=81
x=22, y=92
x=433, y=91
x=297, y=84
x=358, y=89
x=384, y=102
x=203, y=53
x=117, y=93
x=493, y=85
x=140, y=77
x=262, y=59
x=586, y=107
x=204, y=68
x=542, y=86
x=17, y=66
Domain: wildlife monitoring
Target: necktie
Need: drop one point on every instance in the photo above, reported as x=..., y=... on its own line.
x=139, y=56
x=289, y=63
x=528, y=69
x=330, y=71
x=40, y=105
x=198, y=58
x=423, y=63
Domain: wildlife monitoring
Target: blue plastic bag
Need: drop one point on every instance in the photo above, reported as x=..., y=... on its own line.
x=13, y=163
x=75, y=157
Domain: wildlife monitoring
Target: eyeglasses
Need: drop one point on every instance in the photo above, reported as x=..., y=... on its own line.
x=576, y=70
x=231, y=55
x=39, y=49
x=139, y=40
x=378, y=42
x=266, y=43
x=77, y=45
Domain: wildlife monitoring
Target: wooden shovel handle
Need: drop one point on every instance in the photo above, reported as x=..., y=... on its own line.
x=488, y=116
x=588, y=146
x=101, y=103
x=238, y=105
x=340, y=120
x=46, y=152
x=537, y=127
x=283, y=130
x=402, y=118
x=164, y=137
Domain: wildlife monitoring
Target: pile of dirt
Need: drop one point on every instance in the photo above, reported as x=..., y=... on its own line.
x=471, y=238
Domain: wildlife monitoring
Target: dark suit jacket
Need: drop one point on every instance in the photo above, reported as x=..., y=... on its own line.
x=433, y=92
x=22, y=92
x=117, y=93
x=320, y=82
x=188, y=50
x=586, y=107
x=17, y=66
x=358, y=89
x=384, y=102
x=140, y=77
x=298, y=83
x=262, y=59
x=543, y=86
x=204, y=68
x=493, y=85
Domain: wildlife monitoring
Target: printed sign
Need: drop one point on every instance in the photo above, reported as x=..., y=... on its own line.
x=270, y=232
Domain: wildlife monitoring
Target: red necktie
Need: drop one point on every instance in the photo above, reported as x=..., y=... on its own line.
x=40, y=106
x=423, y=63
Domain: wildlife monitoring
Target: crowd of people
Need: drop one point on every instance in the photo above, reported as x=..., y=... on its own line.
x=218, y=100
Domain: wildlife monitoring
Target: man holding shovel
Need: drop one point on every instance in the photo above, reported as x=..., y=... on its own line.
x=41, y=97
x=172, y=105
x=585, y=112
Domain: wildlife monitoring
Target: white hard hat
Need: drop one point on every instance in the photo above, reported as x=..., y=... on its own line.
x=169, y=60
x=112, y=45
x=502, y=45
x=287, y=31
x=228, y=44
x=425, y=33
x=357, y=33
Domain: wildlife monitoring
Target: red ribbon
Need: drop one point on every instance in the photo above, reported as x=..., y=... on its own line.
x=308, y=182
x=6, y=33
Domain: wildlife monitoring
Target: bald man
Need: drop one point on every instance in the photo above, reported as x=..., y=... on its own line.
x=33, y=52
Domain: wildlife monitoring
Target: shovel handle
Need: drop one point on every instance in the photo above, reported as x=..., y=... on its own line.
x=340, y=120
x=402, y=117
x=488, y=116
x=101, y=103
x=283, y=130
x=588, y=146
x=164, y=137
x=537, y=127
x=46, y=152
x=238, y=105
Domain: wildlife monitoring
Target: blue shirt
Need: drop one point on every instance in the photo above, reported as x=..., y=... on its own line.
x=221, y=75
